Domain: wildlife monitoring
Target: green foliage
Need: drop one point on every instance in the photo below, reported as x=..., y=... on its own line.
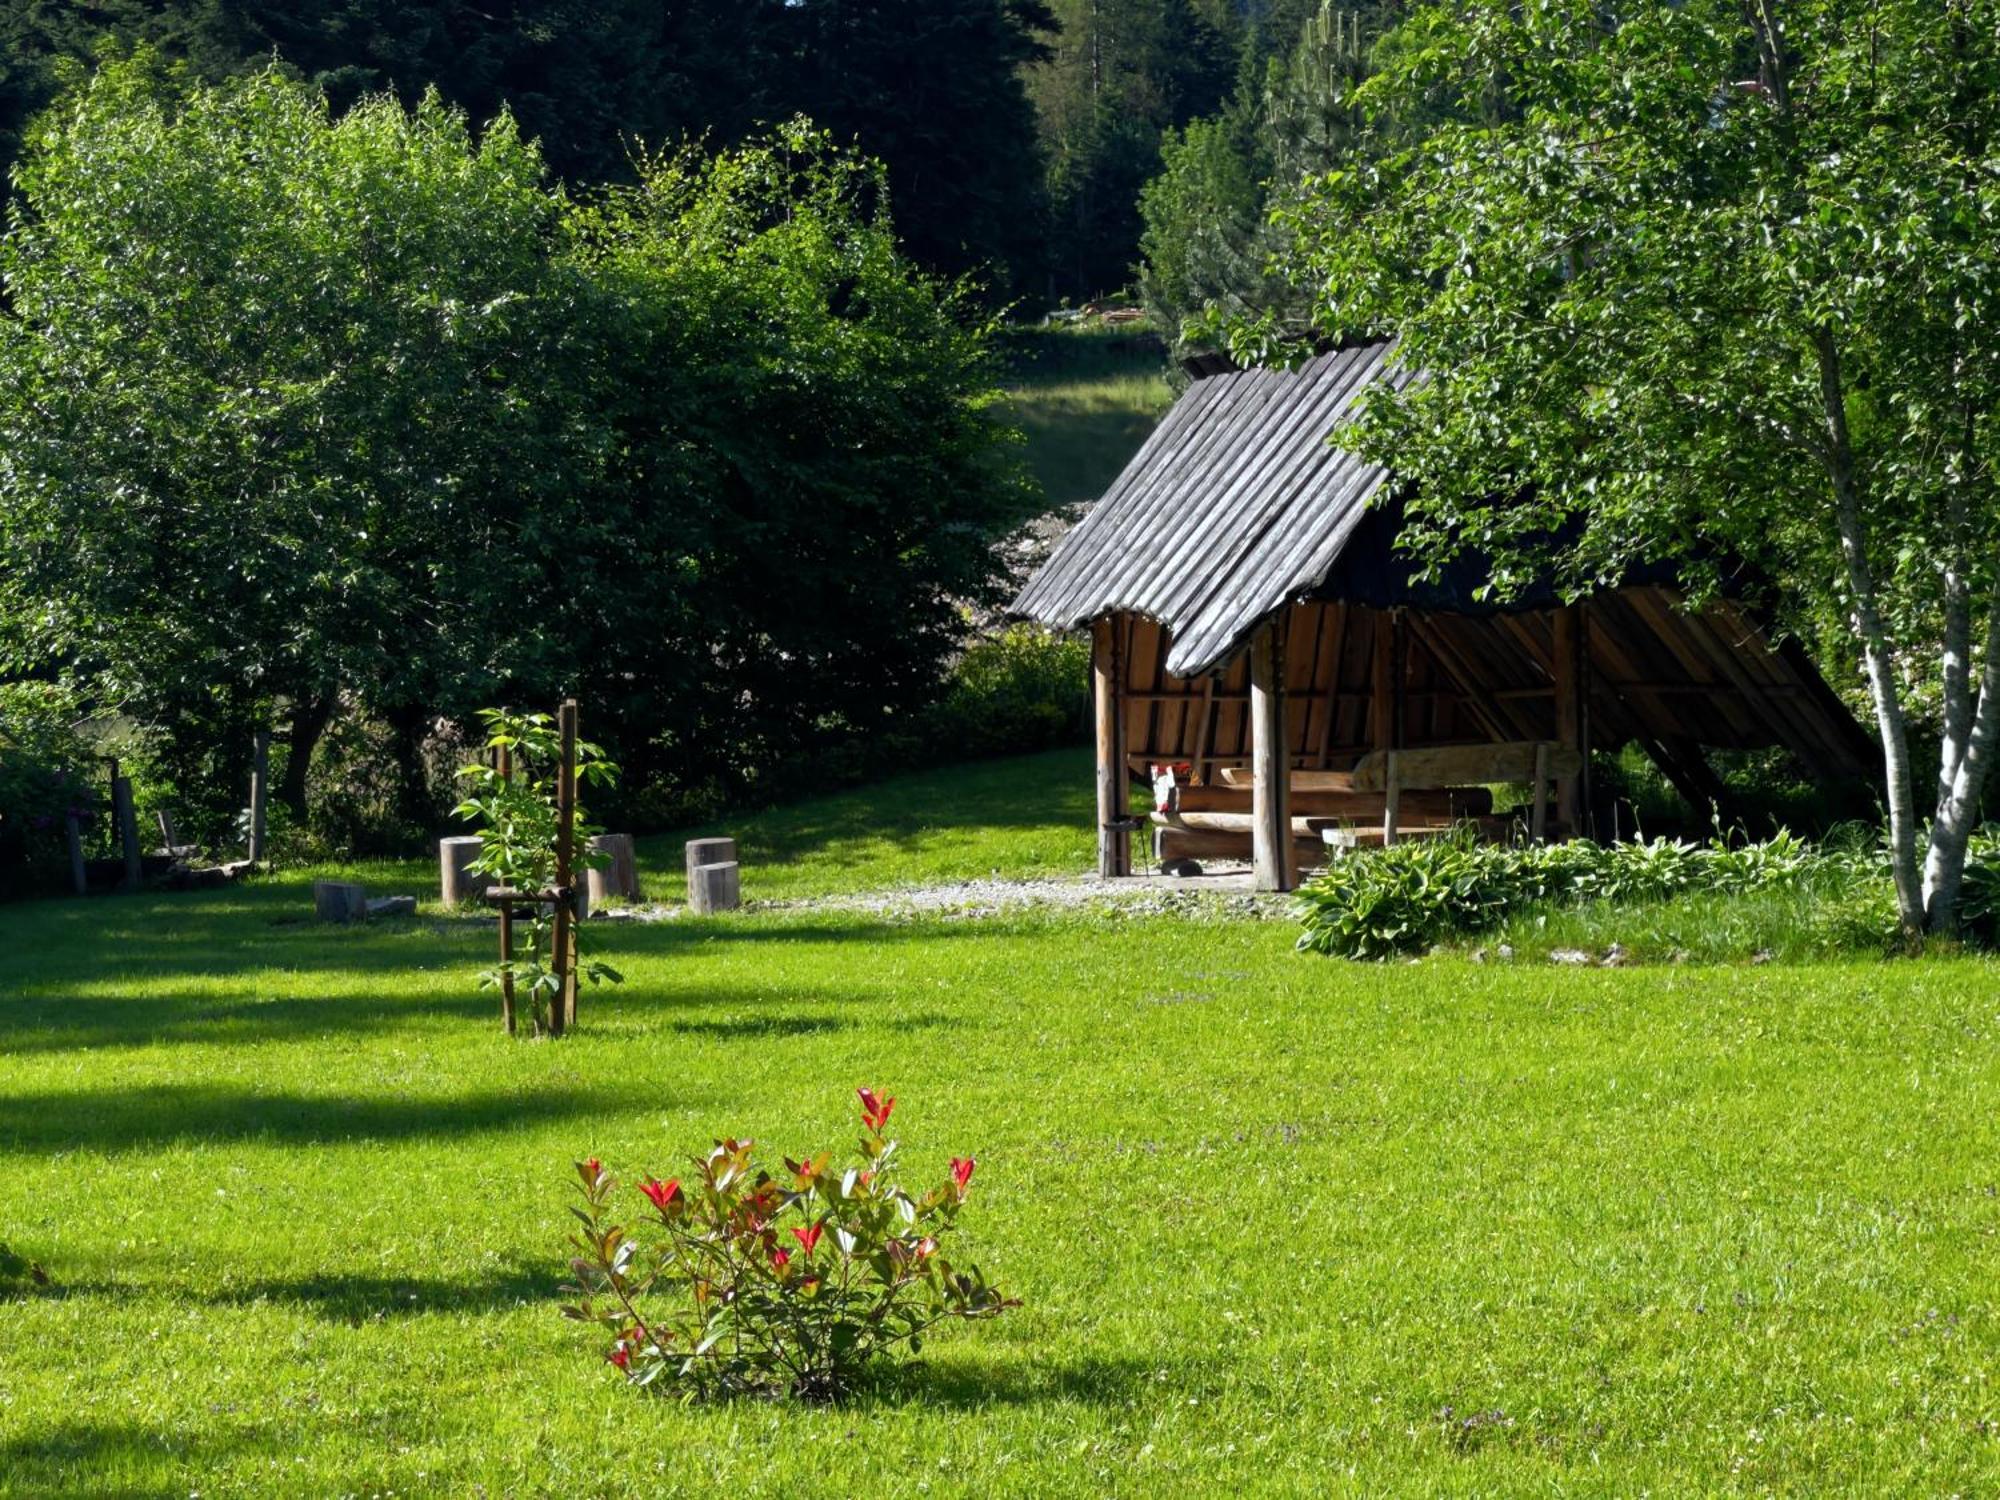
x=932, y=87
x=1124, y=73
x=1979, y=900
x=1025, y=688
x=1213, y=231
x=752, y=1303
x=1421, y=892
x=390, y=430
x=44, y=766
x=1709, y=283
x=521, y=845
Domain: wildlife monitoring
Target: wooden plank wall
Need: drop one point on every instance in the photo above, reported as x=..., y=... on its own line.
x=1656, y=673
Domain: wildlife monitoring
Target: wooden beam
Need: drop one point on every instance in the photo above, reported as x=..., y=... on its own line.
x=1337, y=620
x=1271, y=842
x=1203, y=728
x=1383, y=701
x=1114, y=845
x=1571, y=696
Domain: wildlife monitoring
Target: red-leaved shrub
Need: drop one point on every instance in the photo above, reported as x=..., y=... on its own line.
x=737, y=1282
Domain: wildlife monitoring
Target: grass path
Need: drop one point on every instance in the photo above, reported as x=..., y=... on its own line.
x=1282, y=1226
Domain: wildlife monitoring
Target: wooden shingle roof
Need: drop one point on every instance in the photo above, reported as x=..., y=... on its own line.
x=1235, y=505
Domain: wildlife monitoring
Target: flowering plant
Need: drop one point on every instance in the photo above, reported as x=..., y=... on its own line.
x=738, y=1282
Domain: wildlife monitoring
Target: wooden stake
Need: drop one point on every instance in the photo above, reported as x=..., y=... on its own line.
x=260, y=791
x=1271, y=849
x=1392, y=798
x=506, y=769
x=73, y=836
x=128, y=825
x=1538, y=827
x=562, y=1010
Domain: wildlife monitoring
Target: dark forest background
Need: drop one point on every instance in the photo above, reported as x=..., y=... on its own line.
x=1019, y=135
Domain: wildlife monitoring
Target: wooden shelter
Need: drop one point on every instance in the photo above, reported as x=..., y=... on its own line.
x=1250, y=616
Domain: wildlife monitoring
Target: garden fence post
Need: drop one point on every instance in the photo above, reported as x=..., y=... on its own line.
x=260, y=787
x=563, y=959
x=506, y=768
x=73, y=836
x=128, y=825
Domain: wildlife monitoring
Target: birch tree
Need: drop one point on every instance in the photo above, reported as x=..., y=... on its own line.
x=1708, y=279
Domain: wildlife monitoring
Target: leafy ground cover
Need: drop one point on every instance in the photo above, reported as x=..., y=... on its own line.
x=1282, y=1225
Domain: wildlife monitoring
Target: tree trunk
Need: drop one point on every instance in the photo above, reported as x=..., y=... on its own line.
x=1866, y=617
x=1958, y=809
x=310, y=716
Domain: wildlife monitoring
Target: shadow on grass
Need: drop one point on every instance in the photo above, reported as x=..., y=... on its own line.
x=1094, y=1380
x=341, y=1297
x=159, y=1114
x=78, y=1460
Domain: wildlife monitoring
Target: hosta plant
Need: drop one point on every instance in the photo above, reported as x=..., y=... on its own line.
x=733, y=1281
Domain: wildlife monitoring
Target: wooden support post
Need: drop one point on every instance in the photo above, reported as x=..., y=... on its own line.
x=1271, y=827
x=1107, y=675
x=1392, y=798
x=260, y=791
x=505, y=766
x=1538, y=826
x=562, y=958
x=128, y=825
x=1570, y=686
x=73, y=837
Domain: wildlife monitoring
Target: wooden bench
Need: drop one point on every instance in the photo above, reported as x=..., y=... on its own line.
x=1395, y=773
x=1216, y=822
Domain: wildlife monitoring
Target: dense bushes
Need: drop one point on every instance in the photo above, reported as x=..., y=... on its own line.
x=309, y=420
x=1425, y=891
x=42, y=780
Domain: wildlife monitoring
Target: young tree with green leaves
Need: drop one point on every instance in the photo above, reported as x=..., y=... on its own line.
x=1712, y=279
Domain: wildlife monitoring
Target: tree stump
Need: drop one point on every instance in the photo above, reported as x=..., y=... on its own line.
x=340, y=901
x=707, y=852
x=618, y=880
x=456, y=884
x=715, y=888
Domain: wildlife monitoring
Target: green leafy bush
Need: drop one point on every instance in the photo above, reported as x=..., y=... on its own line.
x=742, y=1283
x=1422, y=892
x=42, y=780
x=1979, y=895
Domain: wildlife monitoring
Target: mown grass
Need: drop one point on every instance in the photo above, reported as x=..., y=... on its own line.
x=1085, y=400
x=1282, y=1225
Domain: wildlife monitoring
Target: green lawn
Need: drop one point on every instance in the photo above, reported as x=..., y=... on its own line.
x=1085, y=400
x=1282, y=1226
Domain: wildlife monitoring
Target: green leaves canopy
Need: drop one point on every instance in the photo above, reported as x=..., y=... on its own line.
x=297, y=409
x=1703, y=280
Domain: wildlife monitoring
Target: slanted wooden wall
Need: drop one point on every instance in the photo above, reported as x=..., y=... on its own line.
x=1630, y=666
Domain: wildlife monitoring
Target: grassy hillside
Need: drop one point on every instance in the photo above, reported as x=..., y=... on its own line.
x=1085, y=399
x=1281, y=1226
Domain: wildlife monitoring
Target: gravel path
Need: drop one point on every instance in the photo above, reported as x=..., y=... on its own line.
x=990, y=898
